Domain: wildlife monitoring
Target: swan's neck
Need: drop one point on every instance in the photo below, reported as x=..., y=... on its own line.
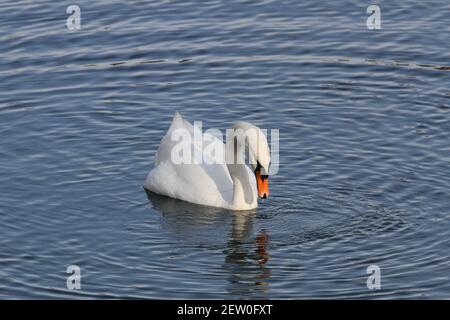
x=244, y=193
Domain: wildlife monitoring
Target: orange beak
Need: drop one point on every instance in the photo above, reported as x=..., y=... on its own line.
x=262, y=182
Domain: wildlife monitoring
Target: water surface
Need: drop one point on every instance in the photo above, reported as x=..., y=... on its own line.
x=364, y=148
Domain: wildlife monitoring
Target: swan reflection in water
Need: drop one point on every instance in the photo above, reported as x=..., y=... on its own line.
x=246, y=253
x=246, y=256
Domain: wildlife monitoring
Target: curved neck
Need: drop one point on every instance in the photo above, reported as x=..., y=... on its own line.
x=244, y=194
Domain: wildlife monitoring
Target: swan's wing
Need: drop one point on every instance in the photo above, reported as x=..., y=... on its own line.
x=208, y=183
x=208, y=142
x=166, y=144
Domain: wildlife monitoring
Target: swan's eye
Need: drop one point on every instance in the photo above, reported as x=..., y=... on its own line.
x=258, y=167
x=261, y=169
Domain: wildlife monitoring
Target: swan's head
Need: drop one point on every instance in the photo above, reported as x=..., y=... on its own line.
x=258, y=151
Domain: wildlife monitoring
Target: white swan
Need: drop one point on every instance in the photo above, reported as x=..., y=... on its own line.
x=230, y=184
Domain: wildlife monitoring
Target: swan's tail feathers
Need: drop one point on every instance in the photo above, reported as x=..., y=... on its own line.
x=177, y=121
x=177, y=116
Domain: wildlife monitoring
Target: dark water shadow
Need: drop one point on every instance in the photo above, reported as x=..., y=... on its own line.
x=246, y=252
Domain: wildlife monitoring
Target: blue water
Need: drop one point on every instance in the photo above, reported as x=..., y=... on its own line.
x=364, y=148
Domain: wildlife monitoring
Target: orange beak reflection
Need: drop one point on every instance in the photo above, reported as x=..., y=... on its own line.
x=262, y=182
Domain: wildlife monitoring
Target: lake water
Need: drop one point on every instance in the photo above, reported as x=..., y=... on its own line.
x=364, y=148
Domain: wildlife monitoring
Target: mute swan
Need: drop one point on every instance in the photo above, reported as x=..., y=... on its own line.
x=230, y=184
